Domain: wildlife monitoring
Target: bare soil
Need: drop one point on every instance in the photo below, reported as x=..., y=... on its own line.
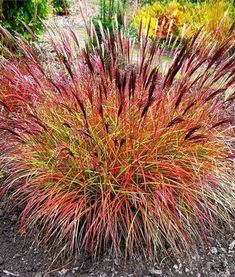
x=20, y=256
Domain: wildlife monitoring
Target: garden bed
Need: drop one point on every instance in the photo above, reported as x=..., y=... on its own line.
x=20, y=257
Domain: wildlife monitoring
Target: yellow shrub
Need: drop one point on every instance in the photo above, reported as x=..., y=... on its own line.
x=171, y=14
x=215, y=16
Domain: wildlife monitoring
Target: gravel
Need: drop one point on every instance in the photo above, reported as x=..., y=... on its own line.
x=74, y=21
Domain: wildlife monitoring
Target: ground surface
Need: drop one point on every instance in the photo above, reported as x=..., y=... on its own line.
x=74, y=21
x=20, y=257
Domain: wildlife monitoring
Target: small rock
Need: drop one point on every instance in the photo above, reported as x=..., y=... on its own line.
x=38, y=274
x=14, y=218
x=38, y=264
x=213, y=250
x=208, y=266
x=154, y=271
x=225, y=263
x=8, y=273
x=2, y=204
x=179, y=263
x=1, y=213
x=186, y=270
x=175, y=267
x=63, y=271
x=223, y=249
x=231, y=246
x=1, y=260
x=75, y=269
x=17, y=255
x=29, y=268
x=102, y=274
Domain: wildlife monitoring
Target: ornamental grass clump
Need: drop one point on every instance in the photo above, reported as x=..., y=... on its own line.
x=115, y=150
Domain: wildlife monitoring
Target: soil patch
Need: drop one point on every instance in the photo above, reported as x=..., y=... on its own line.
x=19, y=256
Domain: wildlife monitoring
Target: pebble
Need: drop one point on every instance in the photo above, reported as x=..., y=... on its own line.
x=179, y=263
x=1, y=260
x=38, y=274
x=231, y=246
x=17, y=255
x=186, y=270
x=38, y=264
x=208, y=266
x=213, y=250
x=225, y=263
x=1, y=213
x=63, y=271
x=14, y=218
x=29, y=268
x=223, y=249
x=116, y=262
x=154, y=271
x=102, y=274
x=75, y=269
x=8, y=273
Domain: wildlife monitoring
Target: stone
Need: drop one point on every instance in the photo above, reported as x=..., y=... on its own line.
x=16, y=256
x=29, y=268
x=63, y=271
x=75, y=269
x=208, y=266
x=213, y=250
x=1, y=260
x=102, y=274
x=14, y=218
x=231, y=246
x=8, y=273
x=1, y=213
x=38, y=274
x=153, y=271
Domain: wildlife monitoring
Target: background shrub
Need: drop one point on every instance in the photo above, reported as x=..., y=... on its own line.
x=215, y=17
x=110, y=14
x=15, y=12
x=61, y=7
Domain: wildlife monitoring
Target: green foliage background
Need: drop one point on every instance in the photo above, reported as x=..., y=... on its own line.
x=13, y=13
x=61, y=7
